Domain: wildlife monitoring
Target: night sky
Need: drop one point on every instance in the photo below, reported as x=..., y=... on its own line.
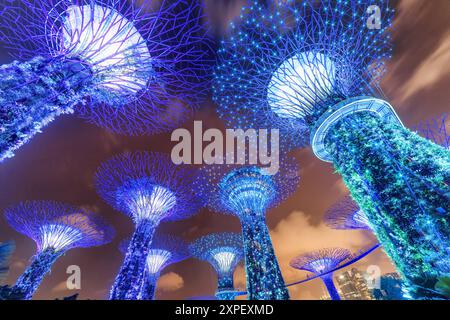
x=59, y=164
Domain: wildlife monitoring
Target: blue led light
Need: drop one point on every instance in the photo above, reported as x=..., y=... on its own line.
x=346, y=215
x=313, y=69
x=55, y=227
x=148, y=188
x=119, y=64
x=165, y=250
x=248, y=192
x=322, y=261
x=436, y=129
x=223, y=251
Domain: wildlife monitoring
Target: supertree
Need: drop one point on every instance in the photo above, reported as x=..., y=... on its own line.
x=322, y=262
x=345, y=215
x=248, y=191
x=316, y=66
x=149, y=188
x=130, y=66
x=436, y=129
x=55, y=228
x=6, y=249
x=223, y=251
x=164, y=251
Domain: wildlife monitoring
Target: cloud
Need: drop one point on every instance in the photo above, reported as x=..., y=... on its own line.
x=295, y=235
x=430, y=71
x=91, y=208
x=109, y=141
x=60, y=287
x=341, y=187
x=18, y=264
x=170, y=282
x=419, y=68
x=220, y=13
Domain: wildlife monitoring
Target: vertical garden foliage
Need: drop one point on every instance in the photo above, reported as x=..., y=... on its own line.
x=33, y=93
x=127, y=58
x=149, y=189
x=264, y=278
x=401, y=181
x=290, y=65
x=30, y=280
x=127, y=285
x=248, y=191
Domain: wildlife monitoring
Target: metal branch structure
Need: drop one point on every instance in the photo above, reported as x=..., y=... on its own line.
x=346, y=215
x=133, y=67
x=436, y=129
x=164, y=251
x=323, y=261
x=316, y=66
x=55, y=228
x=248, y=191
x=149, y=188
x=223, y=251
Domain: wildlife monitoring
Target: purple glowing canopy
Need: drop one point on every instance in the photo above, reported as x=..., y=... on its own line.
x=320, y=261
x=222, y=250
x=218, y=184
x=284, y=64
x=58, y=225
x=436, y=129
x=146, y=181
x=149, y=60
x=345, y=215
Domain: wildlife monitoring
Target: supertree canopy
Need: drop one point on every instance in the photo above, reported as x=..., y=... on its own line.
x=316, y=66
x=223, y=251
x=248, y=191
x=148, y=188
x=165, y=250
x=321, y=262
x=119, y=64
x=345, y=215
x=55, y=228
x=436, y=129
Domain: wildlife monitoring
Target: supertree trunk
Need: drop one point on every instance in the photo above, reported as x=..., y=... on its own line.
x=128, y=283
x=225, y=287
x=401, y=182
x=148, y=289
x=331, y=288
x=264, y=278
x=33, y=93
x=29, y=281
